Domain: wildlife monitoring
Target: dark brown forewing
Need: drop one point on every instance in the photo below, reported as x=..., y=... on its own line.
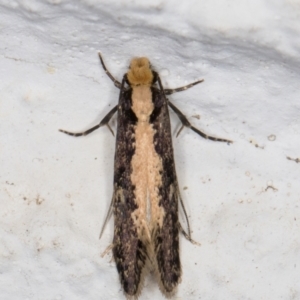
x=129, y=251
x=166, y=238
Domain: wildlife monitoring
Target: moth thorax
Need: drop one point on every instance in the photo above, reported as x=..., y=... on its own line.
x=140, y=72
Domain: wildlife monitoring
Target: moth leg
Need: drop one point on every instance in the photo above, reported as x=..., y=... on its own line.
x=107, y=217
x=188, y=236
x=109, y=248
x=104, y=121
x=115, y=81
x=182, y=88
x=186, y=123
x=183, y=118
x=185, y=215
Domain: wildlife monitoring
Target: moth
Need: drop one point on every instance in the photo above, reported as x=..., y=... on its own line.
x=146, y=196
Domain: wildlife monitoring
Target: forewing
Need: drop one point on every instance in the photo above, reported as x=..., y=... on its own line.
x=165, y=236
x=129, y=250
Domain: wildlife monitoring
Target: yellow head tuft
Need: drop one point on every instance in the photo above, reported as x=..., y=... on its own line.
x=140, y=71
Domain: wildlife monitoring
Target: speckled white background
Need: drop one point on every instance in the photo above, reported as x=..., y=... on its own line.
x=55, y=190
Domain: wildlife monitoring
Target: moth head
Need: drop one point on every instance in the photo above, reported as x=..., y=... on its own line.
x=140, y=72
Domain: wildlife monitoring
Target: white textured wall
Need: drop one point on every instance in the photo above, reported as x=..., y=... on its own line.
x=55, y=190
